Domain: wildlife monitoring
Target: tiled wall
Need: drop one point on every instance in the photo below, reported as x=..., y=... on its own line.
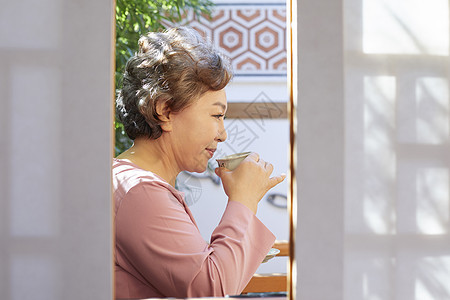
x=252, y=35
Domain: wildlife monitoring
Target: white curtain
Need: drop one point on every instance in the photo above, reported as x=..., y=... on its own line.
x=56, y=146
x=373, y=159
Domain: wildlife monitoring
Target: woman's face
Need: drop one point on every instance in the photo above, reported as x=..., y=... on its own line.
x=197, y=130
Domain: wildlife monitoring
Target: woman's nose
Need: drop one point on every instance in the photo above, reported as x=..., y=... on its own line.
x=222, y=134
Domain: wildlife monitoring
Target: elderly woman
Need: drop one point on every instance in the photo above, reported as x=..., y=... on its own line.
x=172, y=105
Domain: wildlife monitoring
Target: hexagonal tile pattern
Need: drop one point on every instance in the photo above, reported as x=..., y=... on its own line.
x=278, y=16
x=231, y=38
x=204, y=30
x=278, y=62
x=253, y=36
x=248, y=17
x=218, y=17
x=266, y=39
x=249, y=63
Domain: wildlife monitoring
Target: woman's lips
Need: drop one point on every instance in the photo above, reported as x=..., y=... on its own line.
x=211, y=152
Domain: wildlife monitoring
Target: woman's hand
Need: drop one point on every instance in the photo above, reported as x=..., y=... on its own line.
x=250, y=181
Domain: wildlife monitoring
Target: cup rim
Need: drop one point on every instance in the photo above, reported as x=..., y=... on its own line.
x=234, y=156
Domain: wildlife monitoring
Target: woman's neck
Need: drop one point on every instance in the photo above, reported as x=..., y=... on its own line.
x=151, y=156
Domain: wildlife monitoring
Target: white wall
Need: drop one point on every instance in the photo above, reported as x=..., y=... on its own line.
x=372, y=99
x=56, y=92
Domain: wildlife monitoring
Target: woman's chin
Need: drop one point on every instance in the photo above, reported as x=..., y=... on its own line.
x=198, y=166
x=198, y=169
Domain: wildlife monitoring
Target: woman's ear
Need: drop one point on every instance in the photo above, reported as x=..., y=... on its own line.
x=164, y=114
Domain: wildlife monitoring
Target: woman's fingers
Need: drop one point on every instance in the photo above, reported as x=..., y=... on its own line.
x=217, y=171
x=254, y=156
x=268, y=167
x=273, y=181
x=250, y=181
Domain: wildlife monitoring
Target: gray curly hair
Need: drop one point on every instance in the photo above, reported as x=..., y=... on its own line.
x=174, y=67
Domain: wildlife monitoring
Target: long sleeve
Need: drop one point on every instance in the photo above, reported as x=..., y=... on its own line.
x=160, y=251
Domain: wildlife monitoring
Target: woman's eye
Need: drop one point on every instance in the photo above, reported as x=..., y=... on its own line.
x=219, y=116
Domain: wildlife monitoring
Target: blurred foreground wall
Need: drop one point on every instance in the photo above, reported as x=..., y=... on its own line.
x=373, y=143
x=55, y=144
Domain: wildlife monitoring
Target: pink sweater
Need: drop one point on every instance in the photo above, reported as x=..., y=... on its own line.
x=159, y=251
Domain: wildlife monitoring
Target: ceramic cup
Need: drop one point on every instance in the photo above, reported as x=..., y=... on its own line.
x=232, y=161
